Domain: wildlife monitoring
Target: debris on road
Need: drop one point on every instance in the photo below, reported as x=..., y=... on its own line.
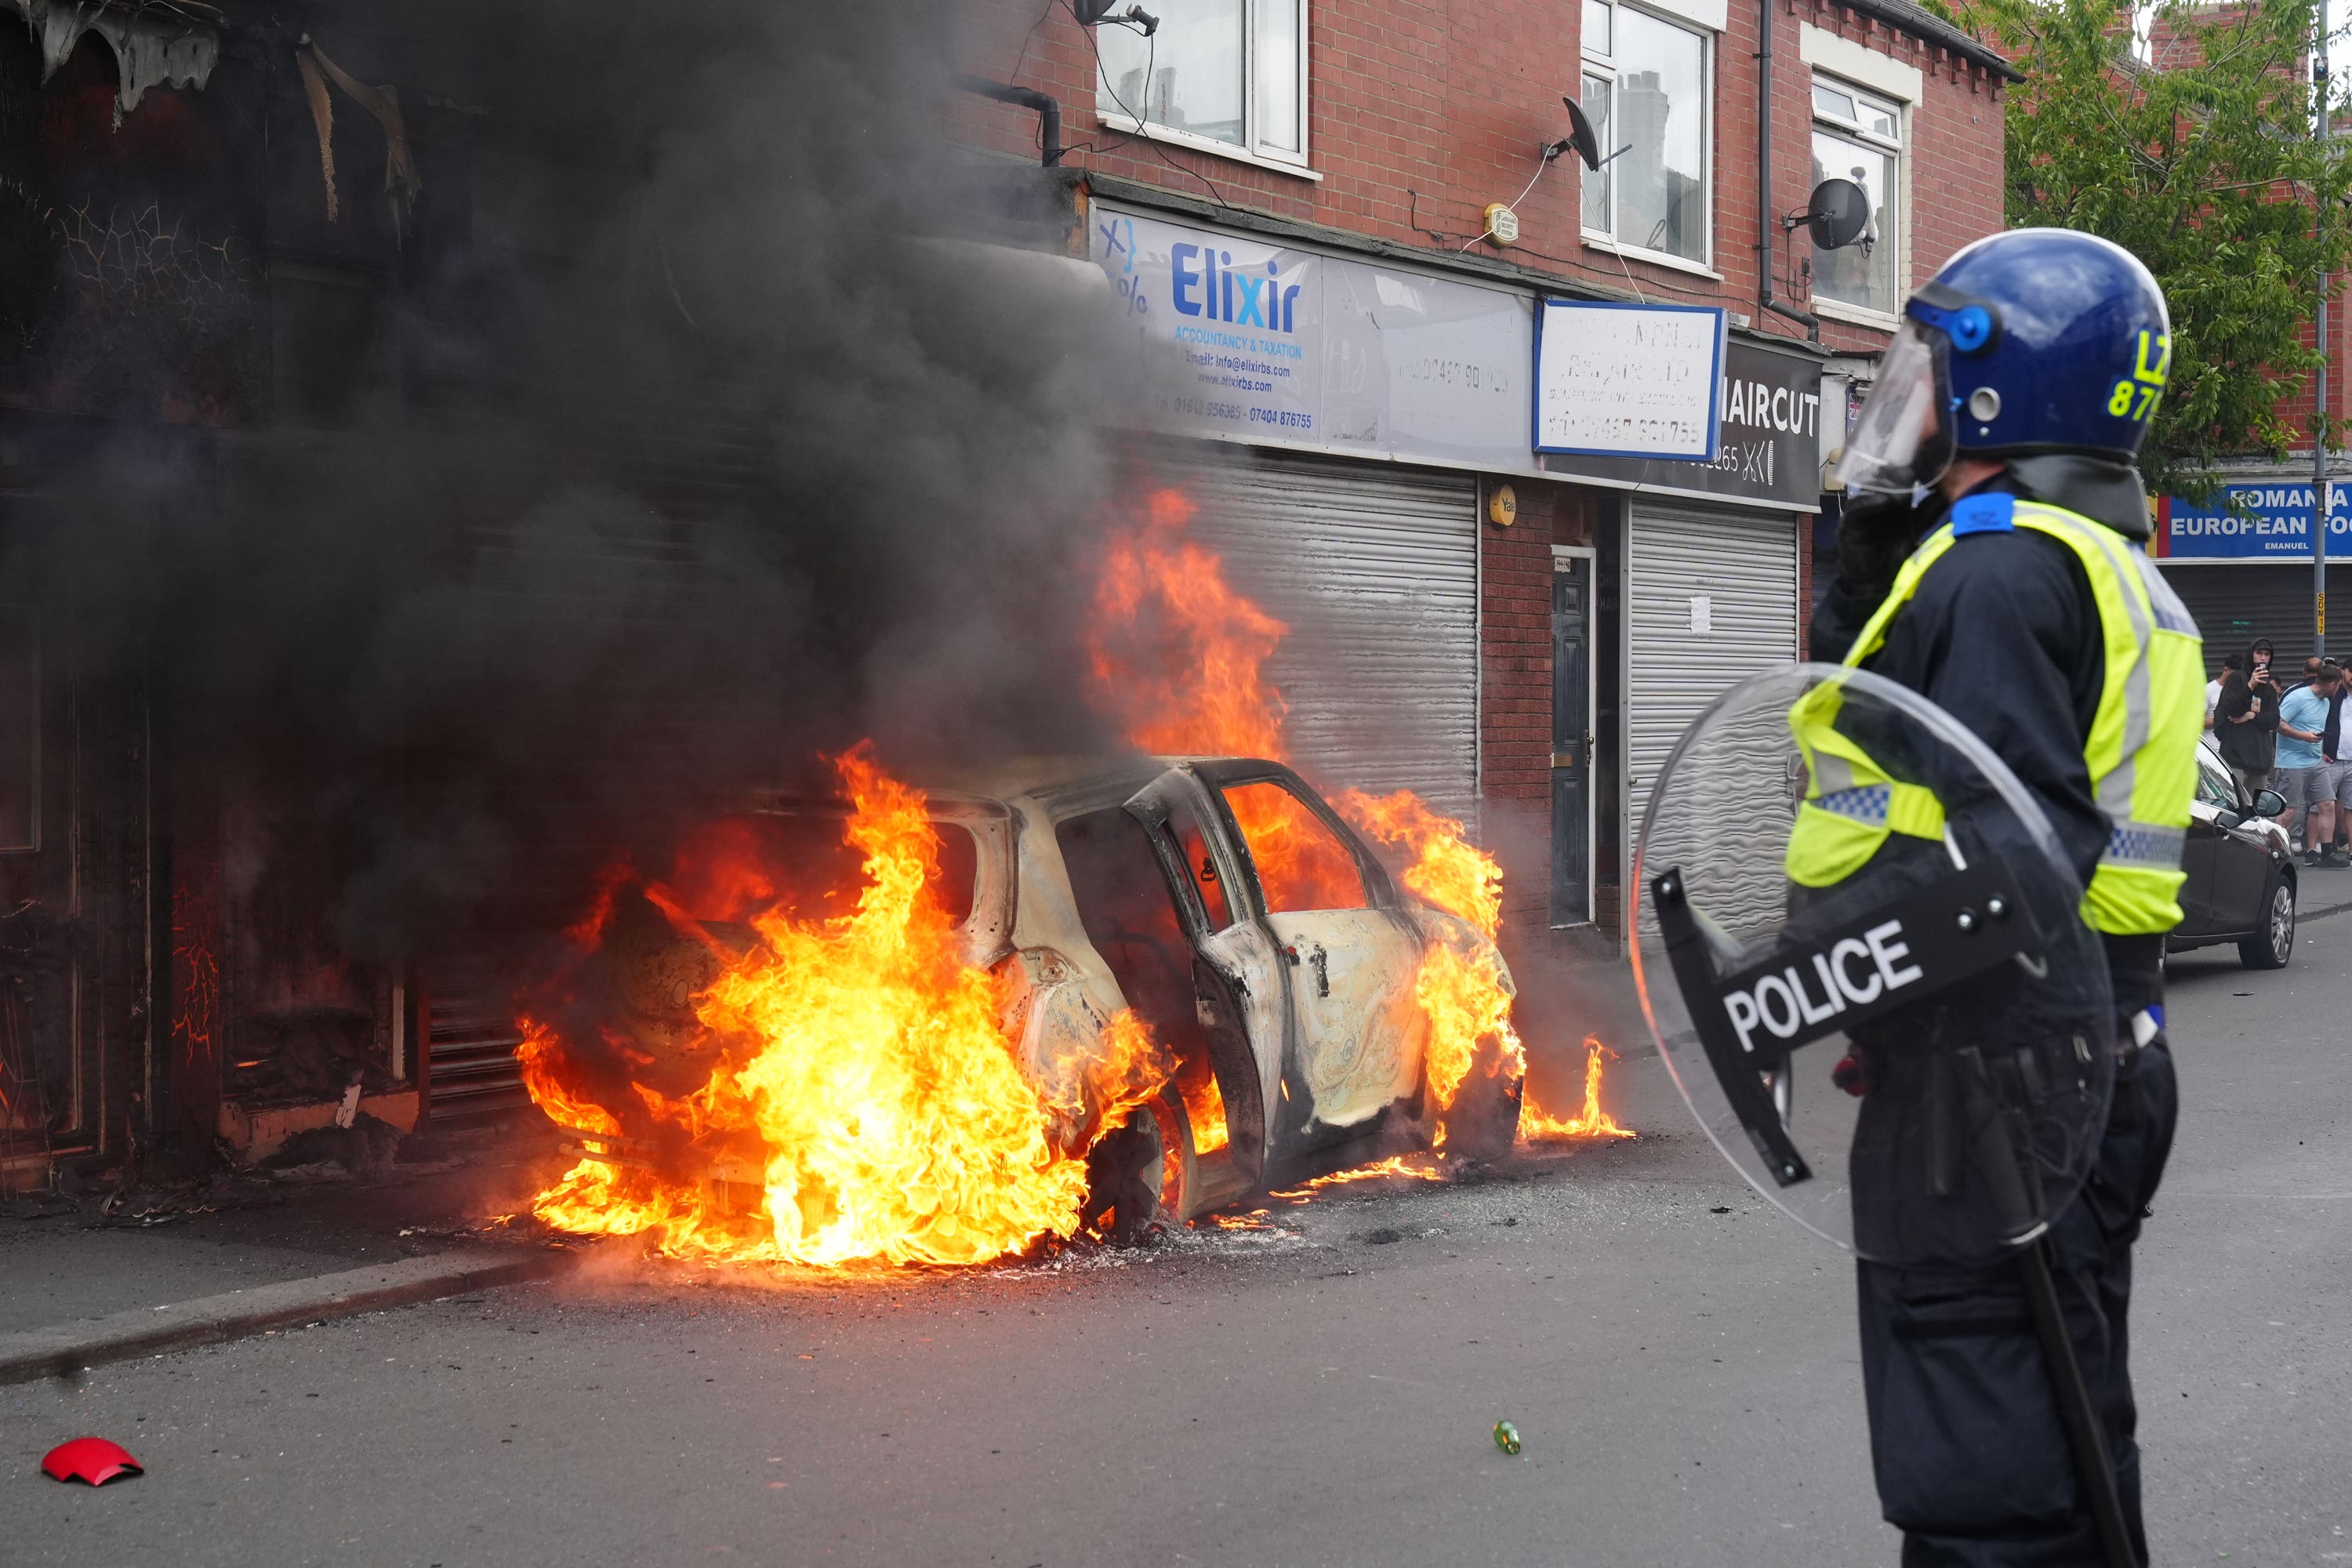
x=1507, y=1438
x=91, y=1460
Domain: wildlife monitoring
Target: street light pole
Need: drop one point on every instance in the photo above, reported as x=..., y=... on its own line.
x=2320, y=499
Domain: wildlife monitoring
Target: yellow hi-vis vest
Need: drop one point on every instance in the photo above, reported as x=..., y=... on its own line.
x=2141, y=751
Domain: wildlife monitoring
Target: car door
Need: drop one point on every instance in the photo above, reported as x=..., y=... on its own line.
x=1238, y=984
x=2216, y=792
x=1348, y=954
x=2242, y=855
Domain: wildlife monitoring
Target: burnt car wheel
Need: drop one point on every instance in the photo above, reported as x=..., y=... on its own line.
x=1484, y=1119
x=2270, y=947
x=1139, y=1175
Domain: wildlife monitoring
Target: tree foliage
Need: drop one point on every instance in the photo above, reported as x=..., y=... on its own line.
x=2200, y=162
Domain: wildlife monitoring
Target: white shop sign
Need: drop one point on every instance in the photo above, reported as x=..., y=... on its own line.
x=1628, y=381
x=1250, y=339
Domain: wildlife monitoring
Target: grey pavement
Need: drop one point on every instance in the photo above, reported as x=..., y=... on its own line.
x=79, y=1264
x=1317, y=1393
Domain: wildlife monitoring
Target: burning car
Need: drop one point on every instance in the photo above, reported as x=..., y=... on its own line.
x=1205, y=978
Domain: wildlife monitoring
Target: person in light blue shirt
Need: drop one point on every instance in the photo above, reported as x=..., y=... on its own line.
x=2303, y=776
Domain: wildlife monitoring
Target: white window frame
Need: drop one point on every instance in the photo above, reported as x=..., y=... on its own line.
x=1685, y=17
x=1112, y=115
x=1849, y=66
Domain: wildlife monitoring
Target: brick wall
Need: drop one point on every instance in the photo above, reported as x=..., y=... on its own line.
x=1424, y=112
x=1515, y=666
x=1421, y=113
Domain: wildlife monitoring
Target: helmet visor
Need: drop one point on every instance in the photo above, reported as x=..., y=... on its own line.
x=1903, y=437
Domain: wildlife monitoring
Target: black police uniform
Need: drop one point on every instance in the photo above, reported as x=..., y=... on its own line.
x=1970, y=1452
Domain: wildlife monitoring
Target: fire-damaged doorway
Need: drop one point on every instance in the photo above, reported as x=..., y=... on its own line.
x=76, y=1065
x=1572, y=735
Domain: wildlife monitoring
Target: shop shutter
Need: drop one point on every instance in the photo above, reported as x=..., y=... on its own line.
x=471, y=1071
x=1745, y=569
x=2234, y=604
x=1375, y=570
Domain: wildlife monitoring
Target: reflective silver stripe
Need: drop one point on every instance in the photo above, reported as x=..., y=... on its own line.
x=2171, y=615
x=1832, y=775
x=2113, y=791
x=2140, y=844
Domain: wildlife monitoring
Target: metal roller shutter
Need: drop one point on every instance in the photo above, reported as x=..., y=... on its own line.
x=2234, y=604
x=1745, y=569
x=1375, y=570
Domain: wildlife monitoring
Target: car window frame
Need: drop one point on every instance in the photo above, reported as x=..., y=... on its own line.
x=2209, y=770
x=1379, y=889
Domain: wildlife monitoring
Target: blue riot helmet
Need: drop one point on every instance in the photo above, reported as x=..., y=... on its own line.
x=2039, y=340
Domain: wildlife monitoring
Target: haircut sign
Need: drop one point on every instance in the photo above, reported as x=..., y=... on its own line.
x=1768, y=446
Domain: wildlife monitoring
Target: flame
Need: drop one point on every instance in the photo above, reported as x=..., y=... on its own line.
x=1590, y=1122
x=1411, y=1167
x=1180, y=656
x=1447, y=869
x=1176, y=651
x=1204, y=1107
x=543, y=1074
x=1460, y=987
x=860, y=1076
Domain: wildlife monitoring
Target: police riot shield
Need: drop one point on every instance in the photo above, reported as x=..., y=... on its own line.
x=1858, y=947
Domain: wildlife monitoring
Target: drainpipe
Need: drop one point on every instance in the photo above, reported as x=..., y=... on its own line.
x=1049, y=112
x=1764, y=215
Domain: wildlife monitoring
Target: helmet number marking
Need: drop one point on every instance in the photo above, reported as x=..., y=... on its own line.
x=2135, y=399
x=2121, y=402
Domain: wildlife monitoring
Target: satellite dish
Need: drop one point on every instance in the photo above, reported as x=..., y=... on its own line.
x=1837, y=214
x=1581, y=133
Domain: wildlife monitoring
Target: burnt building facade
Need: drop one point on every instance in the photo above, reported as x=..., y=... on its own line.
x=406, y=416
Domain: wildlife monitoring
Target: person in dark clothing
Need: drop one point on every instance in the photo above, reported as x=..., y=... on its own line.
x=2005, y=632
x=2245, y=722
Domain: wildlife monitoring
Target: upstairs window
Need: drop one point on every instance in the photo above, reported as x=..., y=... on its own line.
x=1858, y=136
x=1646, y=89
x=1227, y=72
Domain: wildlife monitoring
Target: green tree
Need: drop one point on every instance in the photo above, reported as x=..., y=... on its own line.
x=2200, y=162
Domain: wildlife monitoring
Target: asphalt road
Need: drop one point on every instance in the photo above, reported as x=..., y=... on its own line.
x=1319, y=1393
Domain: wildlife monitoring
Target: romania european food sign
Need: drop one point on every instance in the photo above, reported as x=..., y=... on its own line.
x=2253, y=522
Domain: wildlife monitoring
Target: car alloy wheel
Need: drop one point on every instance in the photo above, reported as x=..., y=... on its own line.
x=2272, y=946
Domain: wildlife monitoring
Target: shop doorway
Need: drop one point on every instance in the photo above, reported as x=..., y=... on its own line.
x=1572, y=735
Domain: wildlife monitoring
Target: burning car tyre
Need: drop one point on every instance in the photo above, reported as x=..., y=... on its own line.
x=1484, y=1119
x=1139, y=1175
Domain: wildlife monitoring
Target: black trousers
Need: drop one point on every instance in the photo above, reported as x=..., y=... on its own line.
x=1971, y=1456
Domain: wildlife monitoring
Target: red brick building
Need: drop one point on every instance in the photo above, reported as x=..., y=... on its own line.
x=1490, y=607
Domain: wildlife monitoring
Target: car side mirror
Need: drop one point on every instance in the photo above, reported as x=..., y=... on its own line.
x=2269, y=803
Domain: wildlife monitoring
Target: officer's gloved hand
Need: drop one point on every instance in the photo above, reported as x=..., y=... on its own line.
x=1877, y=534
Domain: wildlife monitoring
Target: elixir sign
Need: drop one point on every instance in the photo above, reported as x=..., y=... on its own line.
x=1242, y=320
x=1246, y=339
x=1628, y=381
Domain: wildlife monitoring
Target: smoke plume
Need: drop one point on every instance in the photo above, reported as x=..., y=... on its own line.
x=692, y=445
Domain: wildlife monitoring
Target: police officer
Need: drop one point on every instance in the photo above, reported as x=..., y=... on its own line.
x=1990, y=558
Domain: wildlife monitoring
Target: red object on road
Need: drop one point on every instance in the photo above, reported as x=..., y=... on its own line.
x=91, y=1459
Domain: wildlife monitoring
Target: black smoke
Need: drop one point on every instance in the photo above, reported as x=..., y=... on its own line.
x=683, y=440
